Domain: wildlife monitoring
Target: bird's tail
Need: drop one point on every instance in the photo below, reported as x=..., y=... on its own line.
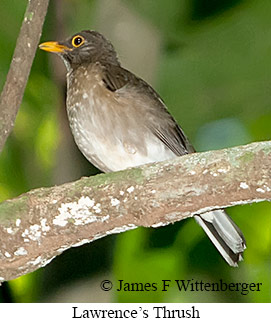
x=224, y=234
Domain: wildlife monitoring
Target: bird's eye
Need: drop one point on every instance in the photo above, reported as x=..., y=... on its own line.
x=77, y=41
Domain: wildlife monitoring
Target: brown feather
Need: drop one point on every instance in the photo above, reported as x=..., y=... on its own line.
x=159, y=121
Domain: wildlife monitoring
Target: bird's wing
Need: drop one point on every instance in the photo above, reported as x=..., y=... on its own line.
x=159, y=120
x=221, y=230
x=114, y=77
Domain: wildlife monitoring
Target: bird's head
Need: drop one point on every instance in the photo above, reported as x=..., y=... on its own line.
x=82, y=48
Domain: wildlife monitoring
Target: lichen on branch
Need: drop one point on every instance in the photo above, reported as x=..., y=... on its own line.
x=39, y=225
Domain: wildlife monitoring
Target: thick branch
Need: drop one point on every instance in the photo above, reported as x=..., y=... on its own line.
x=21, y=63
x=39, y=225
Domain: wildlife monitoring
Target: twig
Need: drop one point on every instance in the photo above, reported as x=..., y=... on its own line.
x=20, y=66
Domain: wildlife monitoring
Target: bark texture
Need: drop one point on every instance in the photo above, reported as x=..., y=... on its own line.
x=27, y=42
x=39, y=225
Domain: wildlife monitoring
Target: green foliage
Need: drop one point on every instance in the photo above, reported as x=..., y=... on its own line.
x=151, y=266
x=214, y=76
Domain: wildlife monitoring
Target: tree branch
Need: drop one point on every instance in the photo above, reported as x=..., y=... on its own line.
x=12, y=94
x=39, y=225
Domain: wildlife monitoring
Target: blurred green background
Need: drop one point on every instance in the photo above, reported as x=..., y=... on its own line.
x=211, y=62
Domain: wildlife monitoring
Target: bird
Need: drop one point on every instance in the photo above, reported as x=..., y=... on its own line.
x=119, y=121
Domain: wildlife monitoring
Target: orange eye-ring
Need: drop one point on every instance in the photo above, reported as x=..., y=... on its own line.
x=77, y=41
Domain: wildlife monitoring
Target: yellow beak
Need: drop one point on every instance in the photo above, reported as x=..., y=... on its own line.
x=53, y=47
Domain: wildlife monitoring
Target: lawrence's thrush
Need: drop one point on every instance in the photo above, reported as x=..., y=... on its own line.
x=119, y=121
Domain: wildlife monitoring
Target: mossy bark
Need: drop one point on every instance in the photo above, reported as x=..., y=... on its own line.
x=38, y=225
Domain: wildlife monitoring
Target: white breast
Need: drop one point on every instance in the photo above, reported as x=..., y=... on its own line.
x=106, y=132
x=110, y=153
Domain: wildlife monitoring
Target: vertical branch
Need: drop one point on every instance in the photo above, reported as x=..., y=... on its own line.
x=20, y=66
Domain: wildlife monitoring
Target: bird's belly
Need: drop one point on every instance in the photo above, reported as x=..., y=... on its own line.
x=110, y=150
